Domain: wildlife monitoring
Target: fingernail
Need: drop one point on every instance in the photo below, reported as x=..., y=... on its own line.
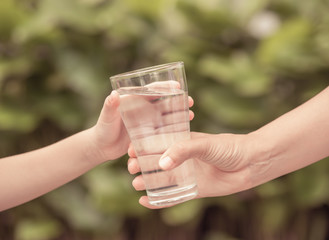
x=166, y=163
x=112, y=96
x=134, y=183
x=129, y=168
x=109, y=98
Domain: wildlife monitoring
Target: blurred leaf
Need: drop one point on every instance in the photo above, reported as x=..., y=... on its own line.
x=182, y=213
x=216, y=68
x=53, y=14
x=319, y=227
x=147, y=8
x=320, y=41
x=239, y=71
x=288, y=48
x=274, y=215
x=80, y=73
x=37, y=229
x=310, y=185
x=10, y=16
x=273, y=188
x=213, y=235
x=212, y=20
x=64, y=110
x=246, y=9
x=71, y=202
x=227, y=108
x=60, y=12
x=18, y=66
x=17, y=119
x=112, y=192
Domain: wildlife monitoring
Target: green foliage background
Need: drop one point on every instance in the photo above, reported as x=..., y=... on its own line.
x=55, y=60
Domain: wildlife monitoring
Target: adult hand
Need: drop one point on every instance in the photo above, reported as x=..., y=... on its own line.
x=221, y=163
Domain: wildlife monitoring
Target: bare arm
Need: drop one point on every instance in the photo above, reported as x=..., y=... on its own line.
x=230, y=163
x=293, y=141
x=29, y=175
x=26, y=176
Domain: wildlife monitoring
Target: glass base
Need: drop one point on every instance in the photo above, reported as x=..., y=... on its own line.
x=173, y=197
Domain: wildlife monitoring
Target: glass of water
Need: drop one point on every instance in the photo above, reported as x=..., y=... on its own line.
x=154, y=109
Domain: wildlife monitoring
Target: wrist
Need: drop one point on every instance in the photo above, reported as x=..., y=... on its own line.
x=91, y=150
x=259, y=159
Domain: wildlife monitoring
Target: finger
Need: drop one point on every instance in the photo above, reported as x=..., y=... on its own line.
x=172, y=104
x=195, y=135
x=138, y=183
x=184, y=150
x=131, y=151
x=144, y=201
x=172, y=118
x=191, y=115
x=135, y=106
x=170, y=84
x=173, y=128
x=150, y=145
x=133, y=166
x=190, y=101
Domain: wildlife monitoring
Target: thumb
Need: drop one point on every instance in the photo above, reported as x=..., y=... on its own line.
x=110, y=108
x=228, y=152
x=184, y=150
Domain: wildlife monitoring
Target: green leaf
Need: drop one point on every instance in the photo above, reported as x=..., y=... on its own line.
x=39, y=229
x=151, y=9
x=273, y=214
x=225, y=107
x=73, y=203
x=310, y=185
x=11, y=15
x=217, y=68
x=288, y=47
x=182, y=213
x=111, y=191
x=16, y=119
x=239, y=71
x=273, y=188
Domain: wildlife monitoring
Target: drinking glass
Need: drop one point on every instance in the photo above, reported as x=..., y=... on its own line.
x=154, y=109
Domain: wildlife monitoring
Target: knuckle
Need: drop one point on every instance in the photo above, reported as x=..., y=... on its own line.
x=179, y=150
x=209, y=151
x=229, y=154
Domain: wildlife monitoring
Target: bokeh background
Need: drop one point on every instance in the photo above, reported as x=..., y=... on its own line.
x=247, y=62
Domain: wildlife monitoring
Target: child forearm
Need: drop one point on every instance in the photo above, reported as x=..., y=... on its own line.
x=29, y=175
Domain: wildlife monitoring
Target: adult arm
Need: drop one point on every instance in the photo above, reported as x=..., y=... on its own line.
x=236, y=162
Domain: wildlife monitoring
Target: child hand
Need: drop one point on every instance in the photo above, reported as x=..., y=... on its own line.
x=110, y=137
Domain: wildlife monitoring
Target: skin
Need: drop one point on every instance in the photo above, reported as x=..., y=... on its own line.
x=237, y=162
x=29, y=175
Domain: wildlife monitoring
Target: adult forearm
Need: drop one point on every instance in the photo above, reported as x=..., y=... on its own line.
x=295, y=140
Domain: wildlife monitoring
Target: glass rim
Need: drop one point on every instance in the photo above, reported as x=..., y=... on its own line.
x=147, y=70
